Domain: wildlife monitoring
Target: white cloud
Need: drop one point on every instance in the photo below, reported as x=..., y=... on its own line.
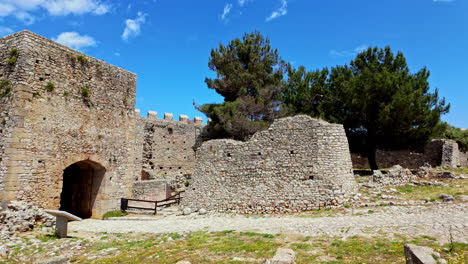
x=226, y=11
x=22, y=9
x=133, y=26
x=361, y=48
x=5, y=31
x=281, y=11
x=446, y=1
x=243, y=2
x=347, y=53
x=75, y=41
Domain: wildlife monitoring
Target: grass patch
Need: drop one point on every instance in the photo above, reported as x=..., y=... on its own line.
x=222, y=247
x=457, y=187
x=50, y=87
x=116, y=213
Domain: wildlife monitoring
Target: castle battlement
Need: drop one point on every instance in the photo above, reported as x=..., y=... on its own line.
x=153, y=115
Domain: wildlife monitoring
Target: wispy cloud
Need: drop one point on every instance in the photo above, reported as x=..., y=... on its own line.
x=23, y=9
x=243, y=2
x=5, y=31
x=226, y=11
x=133, y=26
x=348, y=53
x=75, y=41
x=281, y=11
x=446, y=1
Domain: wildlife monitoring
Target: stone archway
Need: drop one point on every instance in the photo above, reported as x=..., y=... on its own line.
x=81, y=187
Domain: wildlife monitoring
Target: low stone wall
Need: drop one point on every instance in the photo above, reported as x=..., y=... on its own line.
x=387, y=159
x=151, y=190
x=298, y=164
x=439, y=152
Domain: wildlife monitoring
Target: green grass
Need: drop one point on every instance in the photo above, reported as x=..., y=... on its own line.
x=457, y=187
x=463, y=170
x=116, y=213
x=222, y=247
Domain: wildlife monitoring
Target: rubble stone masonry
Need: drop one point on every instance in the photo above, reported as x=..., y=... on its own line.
x=64, y=107
x=298, y=164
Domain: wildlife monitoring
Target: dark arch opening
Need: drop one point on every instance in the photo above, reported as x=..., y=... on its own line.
x=81, y=184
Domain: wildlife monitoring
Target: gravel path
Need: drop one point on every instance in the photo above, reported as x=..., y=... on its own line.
x=434, y=220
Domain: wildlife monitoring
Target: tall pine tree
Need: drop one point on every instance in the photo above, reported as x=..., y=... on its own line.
x=249, y=75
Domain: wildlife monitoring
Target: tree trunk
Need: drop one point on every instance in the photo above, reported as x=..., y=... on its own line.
x=372, y=149
x=371, y=157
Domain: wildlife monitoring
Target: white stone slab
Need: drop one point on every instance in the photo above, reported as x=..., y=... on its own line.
x=67, y=215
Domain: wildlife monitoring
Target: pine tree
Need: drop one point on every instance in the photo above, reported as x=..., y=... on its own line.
x=249, y=75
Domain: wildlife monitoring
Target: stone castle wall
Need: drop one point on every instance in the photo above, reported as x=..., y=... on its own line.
x=298, y=164
x=7, y=119
x=65, y=107
x=165, y=148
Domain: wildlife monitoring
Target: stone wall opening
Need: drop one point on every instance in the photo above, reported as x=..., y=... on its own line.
x=81, y=187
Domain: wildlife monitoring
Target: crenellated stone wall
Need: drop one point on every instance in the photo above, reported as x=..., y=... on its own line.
x=298, y=164
x=64, y=108
x=165, y=150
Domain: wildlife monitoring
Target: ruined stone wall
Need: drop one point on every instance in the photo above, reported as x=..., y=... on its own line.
x=389, y=158
x=463, y=159
x=439, y=152
x=298, y=164
x=67, y=107
x=153, y=190
x=165, y=147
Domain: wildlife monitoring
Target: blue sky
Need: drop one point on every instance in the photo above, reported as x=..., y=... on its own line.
x=168, y=42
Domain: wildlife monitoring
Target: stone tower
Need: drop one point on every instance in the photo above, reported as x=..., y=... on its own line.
x=66, y=124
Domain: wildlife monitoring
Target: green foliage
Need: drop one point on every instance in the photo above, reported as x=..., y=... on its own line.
x=454, y=133
x=304, y=91
x=50, y=87
x=12, y=61
x=13, y=57
x=376, y=98
x=249, y=75
x=86, y=92
x=5, y=88
x=116, y=213
x=82, y=59
x=66, y=93
x=47, y=238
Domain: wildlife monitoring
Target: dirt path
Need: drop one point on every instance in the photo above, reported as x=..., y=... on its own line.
x=438, y=220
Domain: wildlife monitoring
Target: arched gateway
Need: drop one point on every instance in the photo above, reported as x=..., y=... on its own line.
x=81, y=188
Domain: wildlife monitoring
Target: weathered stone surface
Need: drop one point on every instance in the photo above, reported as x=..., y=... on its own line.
x=298, y=164
x=463, y=198
x=65, y=107
x=446, y=198
x=4, y=251
x=396, y=175
x=439, y=152
x=16, y=216
x=202, y=212
x=445, y=175
x=187, y=211
x=164, y=149
x=425, y=171
x=419, y=255
x=283, y=256
x=54, y=260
